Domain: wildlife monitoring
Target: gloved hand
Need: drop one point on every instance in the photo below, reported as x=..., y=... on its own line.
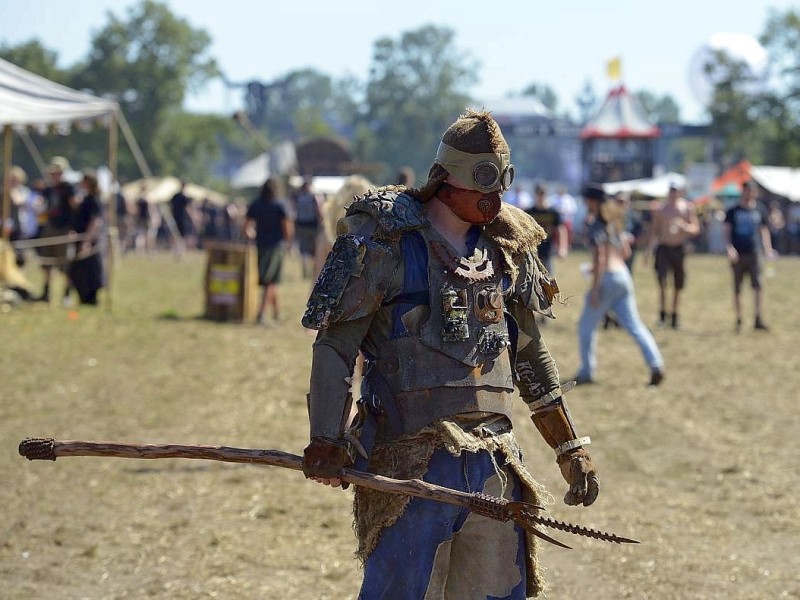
x=324, y=458
x=580, y=473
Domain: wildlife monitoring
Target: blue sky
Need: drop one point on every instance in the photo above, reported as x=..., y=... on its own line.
x=516, y=42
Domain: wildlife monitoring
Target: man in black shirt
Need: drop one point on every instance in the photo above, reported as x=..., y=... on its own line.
x=550, y=220
x=267, y=223
x=748, y=240
x=58, y=197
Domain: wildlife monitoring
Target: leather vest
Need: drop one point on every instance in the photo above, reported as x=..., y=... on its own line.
x=458, y=360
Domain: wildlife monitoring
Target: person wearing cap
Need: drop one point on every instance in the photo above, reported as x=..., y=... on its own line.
x=674, y=225
x=438, y=287
x=611, y=289
x=59, y=197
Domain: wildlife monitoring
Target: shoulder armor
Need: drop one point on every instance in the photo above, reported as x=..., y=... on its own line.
x=534, y=286
x=353, y=282
x=394, y=212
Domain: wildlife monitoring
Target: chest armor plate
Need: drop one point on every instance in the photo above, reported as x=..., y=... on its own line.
x=466, y=299
x=464, y=341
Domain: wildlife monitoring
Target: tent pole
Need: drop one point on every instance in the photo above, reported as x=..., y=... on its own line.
x=5, y=214
x=113, y=232
x=138, y=156
x=33, y=151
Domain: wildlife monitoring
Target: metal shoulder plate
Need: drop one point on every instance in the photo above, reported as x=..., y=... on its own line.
x=353, y=282
x=393, y=212
x=535, y=287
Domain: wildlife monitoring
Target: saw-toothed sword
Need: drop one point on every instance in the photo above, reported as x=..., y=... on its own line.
x=524, y=514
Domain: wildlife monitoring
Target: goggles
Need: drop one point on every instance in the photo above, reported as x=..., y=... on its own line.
x=485, y=172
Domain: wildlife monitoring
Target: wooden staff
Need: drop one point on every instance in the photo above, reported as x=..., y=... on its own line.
x=524, y=514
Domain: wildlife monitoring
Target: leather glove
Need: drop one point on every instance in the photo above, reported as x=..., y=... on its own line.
x=580, y=473
x=326, y=457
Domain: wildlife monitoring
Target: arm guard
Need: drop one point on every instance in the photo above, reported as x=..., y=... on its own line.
x=534, y=287
x=535, y=371
x=353, y=282
x=333, y=359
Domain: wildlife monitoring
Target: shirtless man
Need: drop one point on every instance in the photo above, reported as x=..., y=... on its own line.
x=674, y=224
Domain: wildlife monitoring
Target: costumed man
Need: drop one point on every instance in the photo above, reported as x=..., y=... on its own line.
x=438, y=287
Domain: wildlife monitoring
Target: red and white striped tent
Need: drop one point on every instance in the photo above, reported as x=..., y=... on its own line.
x=621, y=116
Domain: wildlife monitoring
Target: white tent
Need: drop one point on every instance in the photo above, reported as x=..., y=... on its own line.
x=620, y=116
x=28, y=100
x=161, y=189
x=280, y=160
x=782, y=181
x=655, y=187
x=253, y=173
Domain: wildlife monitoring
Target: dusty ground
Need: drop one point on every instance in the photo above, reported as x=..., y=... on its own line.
x=702, y=470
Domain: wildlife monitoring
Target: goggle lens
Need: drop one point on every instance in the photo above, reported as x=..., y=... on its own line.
x=487, y=176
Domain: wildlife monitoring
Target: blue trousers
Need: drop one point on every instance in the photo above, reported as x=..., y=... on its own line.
x=443, y=552
x=616, y=293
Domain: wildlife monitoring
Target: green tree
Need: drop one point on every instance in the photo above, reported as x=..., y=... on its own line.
x=660, y=109
x=34, y=57
x=300, y=103
x=780, y=104
x=147, y=61
x=188, y=143
x=417, y=85
x=737, y=121
x=587, y=102
x=544, y=94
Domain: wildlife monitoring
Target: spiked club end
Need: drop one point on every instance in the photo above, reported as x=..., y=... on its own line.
x=38, y=448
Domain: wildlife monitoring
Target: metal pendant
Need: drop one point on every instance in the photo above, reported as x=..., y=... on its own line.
x=492, y=342
x=488, y=303
x=455, y=307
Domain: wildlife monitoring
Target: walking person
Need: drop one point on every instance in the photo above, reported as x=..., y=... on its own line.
x=612, y=289
x=306, y=225
x=59, y=197
x=674, y=225
x=549, y=219
x=438, y=286
x=748, y=241
x=270, y=227
x=85, y=271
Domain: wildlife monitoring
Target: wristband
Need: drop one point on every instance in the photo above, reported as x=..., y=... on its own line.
x=572, y=444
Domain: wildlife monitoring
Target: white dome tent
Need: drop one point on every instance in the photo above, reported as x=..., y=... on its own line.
x=28, y=101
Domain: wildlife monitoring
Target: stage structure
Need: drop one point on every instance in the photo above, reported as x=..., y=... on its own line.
x=618, y=143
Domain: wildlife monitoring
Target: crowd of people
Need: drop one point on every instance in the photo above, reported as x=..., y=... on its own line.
x=64, y=224
x=442, y=290
x=439, y=292
x=183, y=222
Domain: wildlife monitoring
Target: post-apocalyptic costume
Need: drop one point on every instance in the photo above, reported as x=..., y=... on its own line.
x=446, y=338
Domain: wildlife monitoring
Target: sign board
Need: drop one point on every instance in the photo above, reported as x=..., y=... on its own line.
x=699, y=179
x=224, y=286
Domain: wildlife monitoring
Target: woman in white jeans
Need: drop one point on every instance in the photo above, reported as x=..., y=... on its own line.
x=612, y=290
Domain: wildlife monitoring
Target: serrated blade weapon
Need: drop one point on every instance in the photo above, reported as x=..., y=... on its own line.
x=522, y=513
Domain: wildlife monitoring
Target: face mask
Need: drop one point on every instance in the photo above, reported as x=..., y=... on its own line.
x=470, y=205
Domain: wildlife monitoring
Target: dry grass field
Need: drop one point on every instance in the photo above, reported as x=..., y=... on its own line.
x=702, y=469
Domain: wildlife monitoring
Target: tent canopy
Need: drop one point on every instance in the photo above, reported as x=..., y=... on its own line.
x=781, y=181
x=655, y=187
x=162, y=189
x=621, y=116
x=252, y=174
x=28, y=100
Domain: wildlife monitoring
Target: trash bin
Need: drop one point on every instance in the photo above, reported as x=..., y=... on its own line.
x=231, y=282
